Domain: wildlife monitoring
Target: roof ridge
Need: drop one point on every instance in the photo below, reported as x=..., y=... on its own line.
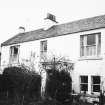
x=82, y=19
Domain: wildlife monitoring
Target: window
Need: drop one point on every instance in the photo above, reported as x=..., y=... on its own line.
x=90, y=45
x=43, y=46
x=83, y=83
x=14, y=51
x=96, y=83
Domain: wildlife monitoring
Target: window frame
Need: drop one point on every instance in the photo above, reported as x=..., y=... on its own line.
x=83, y=45
x=99, y=84
x=14, y=58
x=43, y=45
x=83, y=83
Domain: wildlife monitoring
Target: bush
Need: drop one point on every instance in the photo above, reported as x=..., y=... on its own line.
x=59, y=86
x=22, y=85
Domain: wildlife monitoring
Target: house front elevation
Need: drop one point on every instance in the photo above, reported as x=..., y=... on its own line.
x=82, y=41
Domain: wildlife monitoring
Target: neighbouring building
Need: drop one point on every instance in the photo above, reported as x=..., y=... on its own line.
x=82, y=41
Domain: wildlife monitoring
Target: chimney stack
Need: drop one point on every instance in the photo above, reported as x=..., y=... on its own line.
x=49, y=21
x=51, y=17
x=21, y=29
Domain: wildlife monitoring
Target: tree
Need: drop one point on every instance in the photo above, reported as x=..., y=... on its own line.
x=59, y=82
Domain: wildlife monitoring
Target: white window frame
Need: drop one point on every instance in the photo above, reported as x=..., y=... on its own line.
x=14, y=58
x=97, y=45
x=95, y=84
x=43, y=51
x=83, y=83
x=42, y=45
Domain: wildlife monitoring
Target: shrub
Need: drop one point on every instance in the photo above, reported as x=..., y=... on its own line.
x=22, y=84
x=59, y=86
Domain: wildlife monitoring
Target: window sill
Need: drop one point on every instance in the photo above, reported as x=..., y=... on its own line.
x=83, y=92
x=90, y=58
x=95, y=93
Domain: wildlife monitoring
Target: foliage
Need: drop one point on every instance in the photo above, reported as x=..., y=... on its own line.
x=59, y=85
x=22, y=85
x=46, y=102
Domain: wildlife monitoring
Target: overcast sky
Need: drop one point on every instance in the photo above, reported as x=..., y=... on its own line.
x=30, y=13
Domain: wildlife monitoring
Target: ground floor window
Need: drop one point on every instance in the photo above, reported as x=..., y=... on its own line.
x=96, y=80
x=84, y=83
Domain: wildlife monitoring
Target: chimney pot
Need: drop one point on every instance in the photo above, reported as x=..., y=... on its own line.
x=21, y=29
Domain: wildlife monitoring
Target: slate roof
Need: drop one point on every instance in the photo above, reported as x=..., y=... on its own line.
x=58, y=30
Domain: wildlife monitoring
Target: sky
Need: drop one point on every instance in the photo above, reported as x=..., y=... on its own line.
x=31, y=13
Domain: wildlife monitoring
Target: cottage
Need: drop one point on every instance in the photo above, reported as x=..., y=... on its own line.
x=82, y=41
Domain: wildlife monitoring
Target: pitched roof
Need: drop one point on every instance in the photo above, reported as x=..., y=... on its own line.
x=58, y=30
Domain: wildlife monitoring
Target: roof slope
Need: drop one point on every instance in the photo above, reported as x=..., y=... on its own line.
x=58, y=30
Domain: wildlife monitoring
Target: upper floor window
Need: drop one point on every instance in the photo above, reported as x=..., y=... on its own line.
x=43, y=46
x=14, y=51
x=90, y=45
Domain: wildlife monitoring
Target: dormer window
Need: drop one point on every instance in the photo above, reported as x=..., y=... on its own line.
x=90, y=45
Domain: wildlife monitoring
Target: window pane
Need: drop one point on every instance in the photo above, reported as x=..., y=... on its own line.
x=11, y=51
x=43, y=46
x=84, y=79
x=82, y=40
x=99, y=45
x=96, y=80
x=84, y=87
x=82, y=45
x=91, y=50
x=96, y=88
x=91, y=39
x=15, y=50
x=82, y=51
x=96, y=83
